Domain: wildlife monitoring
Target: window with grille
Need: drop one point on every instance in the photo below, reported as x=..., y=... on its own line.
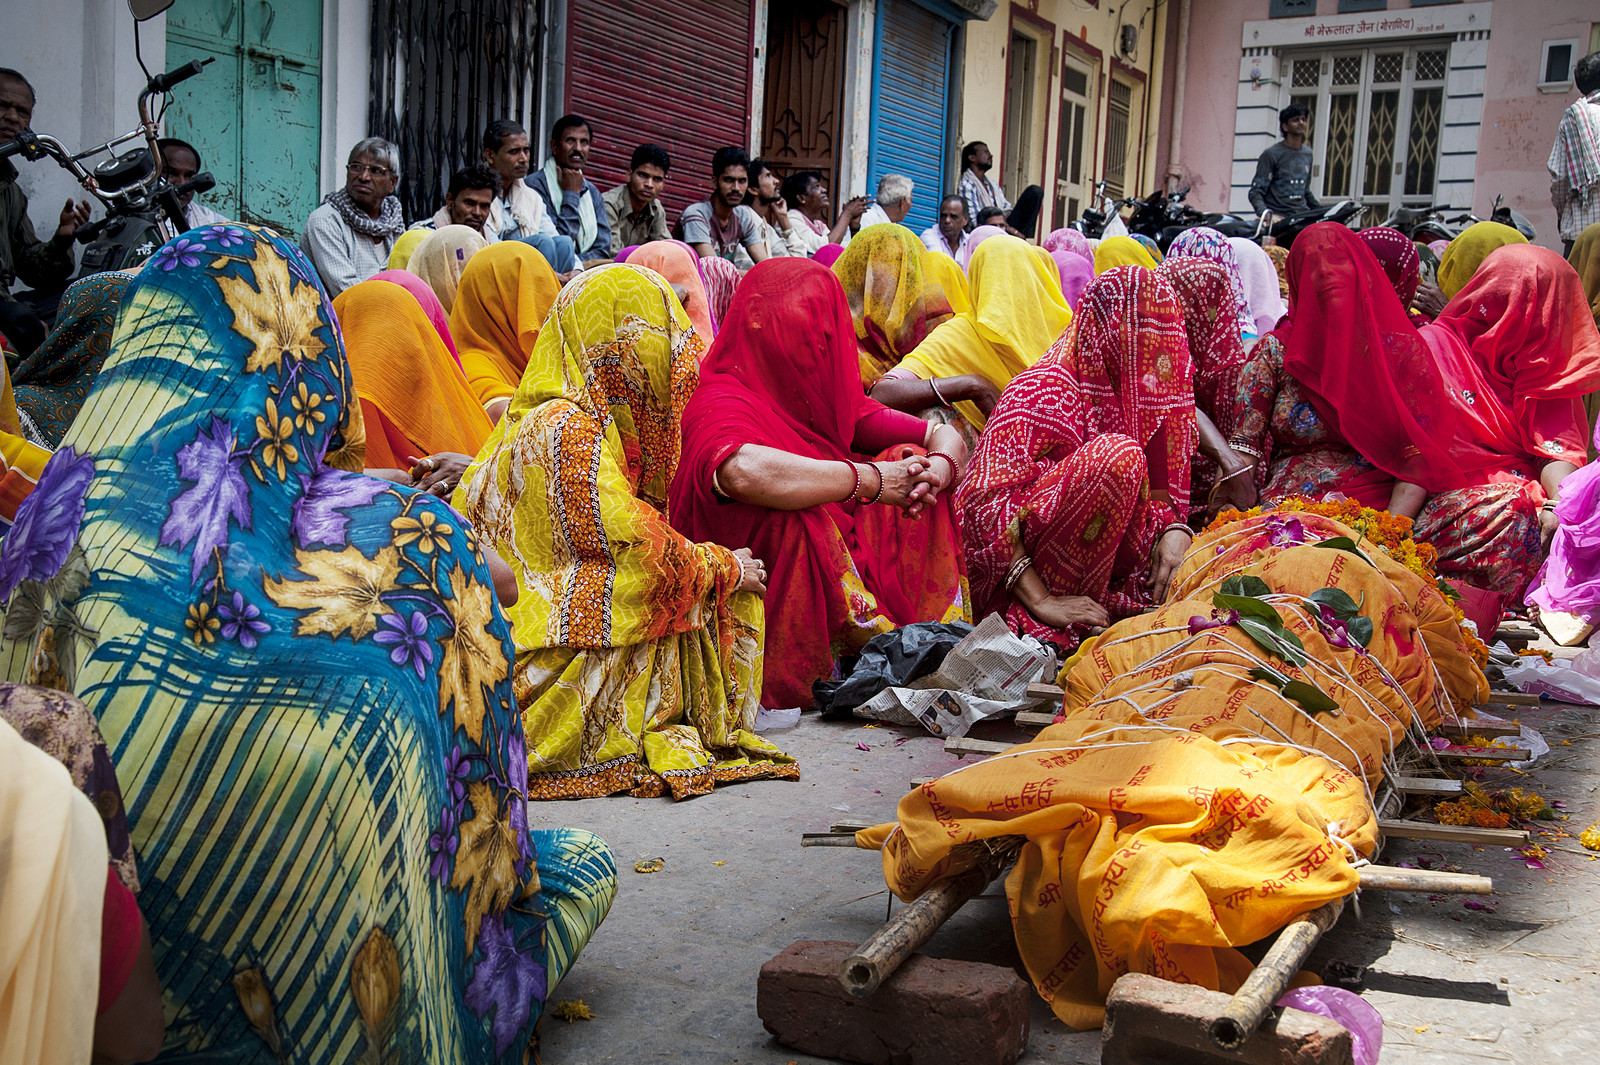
x=1119, y=112
x=1292, y=8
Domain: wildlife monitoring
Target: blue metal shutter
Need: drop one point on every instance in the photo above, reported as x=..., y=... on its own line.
x=910, y=100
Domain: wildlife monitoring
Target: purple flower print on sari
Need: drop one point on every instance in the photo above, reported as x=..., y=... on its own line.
x=201, y=513
x=443, y=842
x=181, y=252
x=506, y=981
x=457, y=768
x=316, y=517
x=242, y=621
x=409, y=637
x=225, y=236
x=47, y=522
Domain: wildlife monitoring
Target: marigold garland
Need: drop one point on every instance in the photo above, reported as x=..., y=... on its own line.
x=1483, y=808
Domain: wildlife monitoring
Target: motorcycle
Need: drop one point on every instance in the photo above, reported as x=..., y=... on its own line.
x=1162, y=217
x=143, y=209
x=1427, y=224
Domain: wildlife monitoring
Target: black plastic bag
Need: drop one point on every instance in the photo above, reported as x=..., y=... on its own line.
x=893, y=659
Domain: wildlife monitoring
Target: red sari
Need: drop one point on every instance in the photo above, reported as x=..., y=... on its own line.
x=1519, y=334
x=1068, y=459
x=783, y=373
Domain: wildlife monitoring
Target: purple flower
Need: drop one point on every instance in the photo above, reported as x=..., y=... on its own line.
x=1283, y=532
x=226, y=236
x=201, y=513
x=505, y=981
x=1198, y=624
x=443, y=843
x=1334, y=628
x=46, y=523
x=456, y=767
x=315, y=517
x=242, y=620
x=410, y=639
x=180, y=252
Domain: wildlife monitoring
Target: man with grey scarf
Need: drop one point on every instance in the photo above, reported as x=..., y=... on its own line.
x=349, y=237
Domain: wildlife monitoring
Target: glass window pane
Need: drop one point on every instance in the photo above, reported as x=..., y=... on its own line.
x=1340, y=160
x=1430, y=65
x=1074, y=80
x=1304, y=74
x=1422, y=151
x=1387, y=66
x=1380, y=143
x=1558, y=63
x=1347, y=70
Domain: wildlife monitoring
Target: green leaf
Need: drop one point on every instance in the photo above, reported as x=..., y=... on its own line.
x=1272, y=677
x=1298, y=657
x=1246, y=606
x=1309, y=696
x=1360, y=629
x=1245, y=584
x=1344, y=543
x=1336, y=600
x=1280, y=642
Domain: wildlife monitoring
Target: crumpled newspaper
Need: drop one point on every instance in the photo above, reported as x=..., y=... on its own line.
x=987, y=673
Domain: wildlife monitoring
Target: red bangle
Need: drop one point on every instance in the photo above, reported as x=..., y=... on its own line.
x=955, y=469
x=855, y=471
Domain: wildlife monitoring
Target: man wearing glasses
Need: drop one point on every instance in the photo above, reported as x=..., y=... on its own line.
x=350, y=235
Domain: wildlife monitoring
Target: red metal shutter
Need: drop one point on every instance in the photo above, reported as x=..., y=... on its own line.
x=669, y=72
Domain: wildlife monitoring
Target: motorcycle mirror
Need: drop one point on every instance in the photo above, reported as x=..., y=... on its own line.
x=145, y=10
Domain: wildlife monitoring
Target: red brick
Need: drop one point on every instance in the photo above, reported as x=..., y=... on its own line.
x=1151, y=1020
x=931, y=1011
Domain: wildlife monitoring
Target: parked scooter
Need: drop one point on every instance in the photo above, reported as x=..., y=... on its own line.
x=1162, y=217
x=143, y=210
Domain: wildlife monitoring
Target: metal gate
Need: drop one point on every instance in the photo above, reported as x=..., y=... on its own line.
x=441, y=71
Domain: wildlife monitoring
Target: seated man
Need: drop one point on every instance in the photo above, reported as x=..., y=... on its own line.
x=765, y=198
x=349, y=237
x=181, y=162
x=894, y=201
x=810, y=211
x=574, y=202
x=468, y=202
x=518, y=213
x=1021, y=219
x=722, y=226
x=634, y=207
x=990, y=216
x=946, y=234
x=42, y=264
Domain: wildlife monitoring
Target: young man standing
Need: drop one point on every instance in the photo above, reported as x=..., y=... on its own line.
x=469, y=202
x=518, y=213
x=572, y=199
x=1282, y=185
x=634, y=208
x=945, y=235
x=1575, y=159
x=810, y=211
x=722, y=226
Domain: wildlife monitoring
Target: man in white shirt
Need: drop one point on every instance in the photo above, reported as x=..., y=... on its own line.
x=893, y=202
x=468, y=202
x=518, y=212
x=783, y=237
x=946, y=234
x=180, y=162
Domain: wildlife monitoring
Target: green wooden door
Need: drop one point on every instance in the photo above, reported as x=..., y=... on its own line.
x=256, y=112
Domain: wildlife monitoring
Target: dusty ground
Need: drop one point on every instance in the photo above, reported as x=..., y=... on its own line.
x=671, y=974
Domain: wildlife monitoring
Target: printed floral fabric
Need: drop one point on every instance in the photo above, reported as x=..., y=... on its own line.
x=1486, y=535
x=638, y=659
x=50, y=385
x=894, y=300
x=302, y=676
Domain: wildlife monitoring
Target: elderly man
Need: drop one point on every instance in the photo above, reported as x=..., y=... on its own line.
x=42, y=264
x=349, y=237
x=945, y=235
x=721, y=226
x=894, y=201
x=468, y=202
x=810, y=211
x=181, y=162
x=572, y=199
x=1575, y=159
x=634, y=207
x=518, y=213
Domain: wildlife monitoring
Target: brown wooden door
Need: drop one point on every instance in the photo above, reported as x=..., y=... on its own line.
x=803, y=119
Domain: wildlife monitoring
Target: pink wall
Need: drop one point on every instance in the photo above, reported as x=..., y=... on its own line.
x=1519, y=122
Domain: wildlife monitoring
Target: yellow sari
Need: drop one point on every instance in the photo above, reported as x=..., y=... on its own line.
x=638, y=661
x=504, y=294
x=400, y=254
x=21, y=461
x=1121, y=251
x=1017, y=313
x=951, y=278
x=894, y=301
x=1463, y=255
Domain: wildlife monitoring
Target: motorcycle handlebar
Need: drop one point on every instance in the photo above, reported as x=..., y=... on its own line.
x=164, y=82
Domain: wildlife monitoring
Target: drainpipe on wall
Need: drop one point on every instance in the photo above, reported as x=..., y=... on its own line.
x=1174, y=157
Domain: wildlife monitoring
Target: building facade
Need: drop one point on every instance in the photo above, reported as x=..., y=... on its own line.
x=1412, y=102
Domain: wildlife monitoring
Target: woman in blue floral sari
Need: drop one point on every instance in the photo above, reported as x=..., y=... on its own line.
x=302, y=675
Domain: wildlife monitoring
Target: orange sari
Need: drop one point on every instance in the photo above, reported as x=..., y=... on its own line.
x=414, y=398
x=505, y=292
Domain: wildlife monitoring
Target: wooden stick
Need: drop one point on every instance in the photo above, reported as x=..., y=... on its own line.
x=1486, y=730
x=1425, y=786
x=1267, y=981
x=1483, y=754
x=1512, y=699
x=1394, y=878
x=880, y=956
x=851, y=826
x=1034, y=719
x=1497, y=837
x=967, y=745
x=827, y=839
x=1046, y=691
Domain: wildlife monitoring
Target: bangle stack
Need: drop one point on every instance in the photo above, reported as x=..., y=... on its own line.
x=1176, y=526
x=855, y=471
x=933, y=382
x=1018, y=568
x=955, y=470
x=1550, y=504
x=881, y=486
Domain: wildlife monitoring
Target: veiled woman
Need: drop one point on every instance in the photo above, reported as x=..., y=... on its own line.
x=638, y=650
x=301, y=673
x=501, y=302
x=894, y=300
x=50, y=385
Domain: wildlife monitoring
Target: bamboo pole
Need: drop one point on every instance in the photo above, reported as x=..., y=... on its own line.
x=1394, y=878
x=1267, y=981
x=877, y=959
